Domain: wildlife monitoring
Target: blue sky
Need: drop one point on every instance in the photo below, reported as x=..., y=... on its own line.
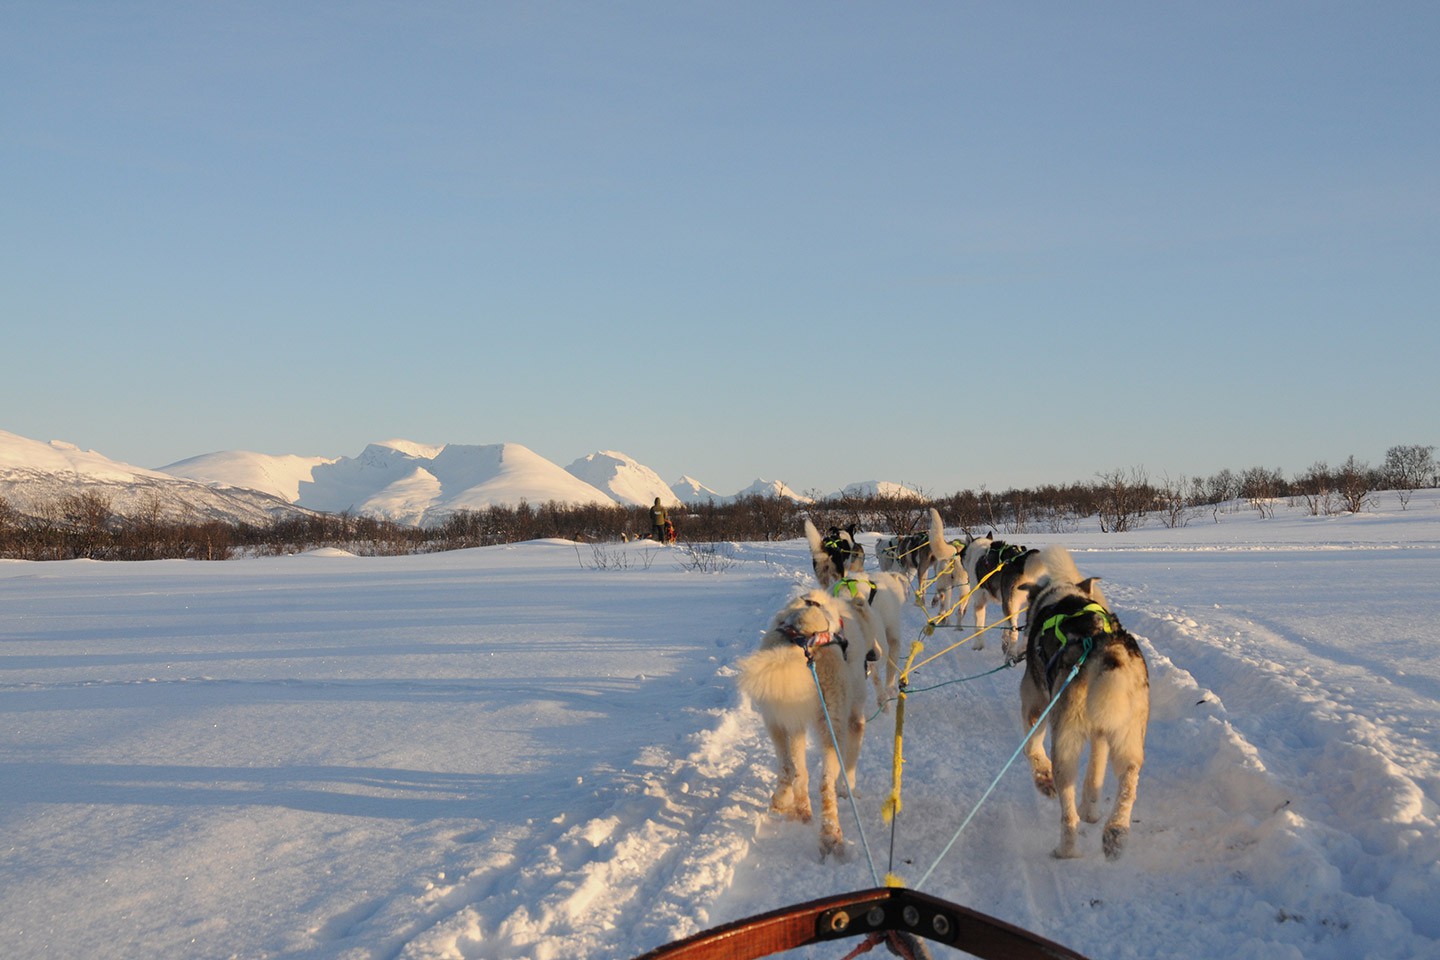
x=952, y=245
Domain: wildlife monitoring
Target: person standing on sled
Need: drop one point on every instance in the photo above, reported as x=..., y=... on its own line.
x=657, y=522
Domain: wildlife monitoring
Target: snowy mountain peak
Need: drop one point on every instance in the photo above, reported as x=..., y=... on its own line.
x=34, y=475
x=427, y=451
x=279, y=476
x=772, y=488
x=625, y=479
x=879, y=488
x=689, y=490
x=421, y=484
x=397, y=479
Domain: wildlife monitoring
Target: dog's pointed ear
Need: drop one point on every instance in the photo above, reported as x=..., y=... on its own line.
x=1087, y=586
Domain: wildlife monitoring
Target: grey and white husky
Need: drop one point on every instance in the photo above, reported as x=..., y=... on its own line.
x=1106, y=705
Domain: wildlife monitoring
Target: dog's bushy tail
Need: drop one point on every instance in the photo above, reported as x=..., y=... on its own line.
x=940, y=548
x=778, y=683
x=812, y=537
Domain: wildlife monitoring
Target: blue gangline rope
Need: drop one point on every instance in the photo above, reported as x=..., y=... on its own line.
x=1013, y=757
x=849, y=790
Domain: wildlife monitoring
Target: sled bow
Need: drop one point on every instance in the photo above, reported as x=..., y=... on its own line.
x=864, y=912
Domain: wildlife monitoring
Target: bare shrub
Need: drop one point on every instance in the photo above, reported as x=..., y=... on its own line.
x=1355, y=482
x=1407, y=468
x=1124, y=498
x=1316, y=487
x=1261, y=487
x=1173, y=502
x=603, y=557
x=705, y=557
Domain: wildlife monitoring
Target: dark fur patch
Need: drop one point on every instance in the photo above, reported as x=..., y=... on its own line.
x=1047, y=658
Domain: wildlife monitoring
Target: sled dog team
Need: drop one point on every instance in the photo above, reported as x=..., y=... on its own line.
x=824, y=648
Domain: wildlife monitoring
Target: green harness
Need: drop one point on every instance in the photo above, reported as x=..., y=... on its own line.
x=1053, y=625
x=852, y=584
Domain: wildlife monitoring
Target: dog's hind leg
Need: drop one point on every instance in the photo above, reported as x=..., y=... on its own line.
x=1010, y=610
x=878, y=672
x=979, y=603
x=850, y=744
x=1094, y=779
x=792, y=794
x=895, y=644
x=1032, y=705
x=1117, y=830
x=831, y=840
x=1067, y=745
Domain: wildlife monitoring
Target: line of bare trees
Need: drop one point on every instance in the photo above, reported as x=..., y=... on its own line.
x=85, y=525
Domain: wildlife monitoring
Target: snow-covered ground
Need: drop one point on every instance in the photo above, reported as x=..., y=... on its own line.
x=538, y=751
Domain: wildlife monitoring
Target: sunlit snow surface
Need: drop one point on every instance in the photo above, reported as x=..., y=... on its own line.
x=539, y=751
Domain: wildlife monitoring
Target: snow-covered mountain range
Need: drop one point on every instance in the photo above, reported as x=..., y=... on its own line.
x=399, y=480
x=36, y=476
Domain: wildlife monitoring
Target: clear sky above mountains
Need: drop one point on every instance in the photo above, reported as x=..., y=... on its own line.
x=952, y=245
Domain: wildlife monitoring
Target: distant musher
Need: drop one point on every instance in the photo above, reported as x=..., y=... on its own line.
x=658, y=520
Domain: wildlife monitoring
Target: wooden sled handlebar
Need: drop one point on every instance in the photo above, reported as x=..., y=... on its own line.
x=864, y=912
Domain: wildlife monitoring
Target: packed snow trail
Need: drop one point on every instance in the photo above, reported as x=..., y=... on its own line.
x=1294, y=815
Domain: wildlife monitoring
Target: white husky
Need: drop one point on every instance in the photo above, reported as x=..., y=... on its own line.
x=1106, y=705
x=877, y=599
x=778, y=680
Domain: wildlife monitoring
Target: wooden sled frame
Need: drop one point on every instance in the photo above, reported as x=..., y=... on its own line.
x=861, y=913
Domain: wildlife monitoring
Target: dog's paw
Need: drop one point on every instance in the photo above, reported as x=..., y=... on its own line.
x=791, y=811
x=1066, y=851
x=831, y=843
x=1114, y=841
x=1045, y=782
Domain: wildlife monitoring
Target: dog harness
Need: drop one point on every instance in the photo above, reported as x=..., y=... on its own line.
x=1001, y=553
x=852, y=584
x=1108, y=621
x=1053, y=624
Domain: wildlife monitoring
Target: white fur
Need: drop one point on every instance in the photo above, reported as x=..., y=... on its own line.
x=886, y=553
x=778, y=681
x=1106, y=706
x=950, y=576
x=879, y=614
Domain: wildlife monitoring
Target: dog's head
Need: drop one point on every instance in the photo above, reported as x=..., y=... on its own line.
x=973, y=549
x=836, y=554
x=813, y=620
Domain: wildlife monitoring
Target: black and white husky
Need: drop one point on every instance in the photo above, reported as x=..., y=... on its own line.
x=995, y=572
x=878, y=600
x=845, y=554
x=777, y=679
x=1106, y=705
x=908, y=554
